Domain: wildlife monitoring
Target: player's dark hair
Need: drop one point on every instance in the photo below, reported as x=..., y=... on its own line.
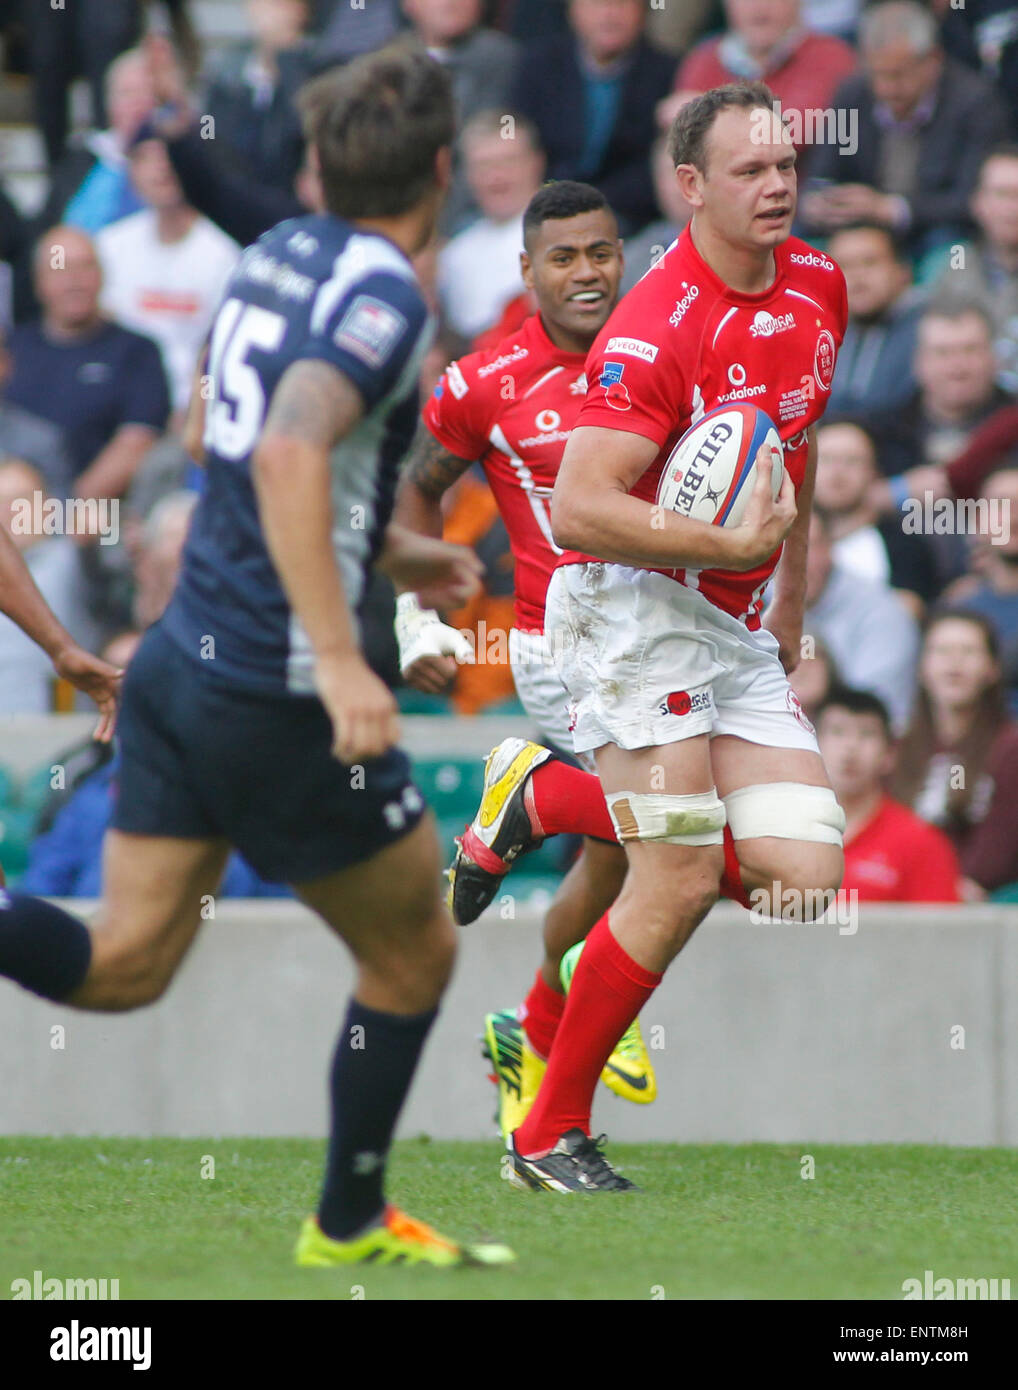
x=378, y=123
x=557, y=201
x=687, y=139
x=856, y=702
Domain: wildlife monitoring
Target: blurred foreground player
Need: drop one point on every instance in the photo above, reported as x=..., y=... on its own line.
x=250, y=717
x=678, y=687
x=512, y=407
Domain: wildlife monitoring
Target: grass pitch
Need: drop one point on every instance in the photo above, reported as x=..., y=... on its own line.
x=713, y=1221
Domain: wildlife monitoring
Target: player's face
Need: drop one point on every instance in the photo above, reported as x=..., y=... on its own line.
x=873, y=277
x=747, y=192
x=855, y=750
x=574, y=267
x=956, y=666
x=845, y=468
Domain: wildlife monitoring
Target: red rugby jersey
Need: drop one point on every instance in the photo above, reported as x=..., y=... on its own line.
x=682, y=342
x=512, y=407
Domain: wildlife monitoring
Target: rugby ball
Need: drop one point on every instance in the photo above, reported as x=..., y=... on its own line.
x=711, y=471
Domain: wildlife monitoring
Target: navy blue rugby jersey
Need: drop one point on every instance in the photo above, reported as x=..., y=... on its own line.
x=312, y=287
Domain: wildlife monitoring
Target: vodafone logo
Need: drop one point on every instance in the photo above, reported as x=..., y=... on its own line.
x=737, y=374
x=796, y=258
x=548, y=420
x=765, y=325
x=737, y=378
x=823, y=360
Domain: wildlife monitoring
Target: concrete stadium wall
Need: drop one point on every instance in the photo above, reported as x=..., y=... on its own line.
x=780, y=1032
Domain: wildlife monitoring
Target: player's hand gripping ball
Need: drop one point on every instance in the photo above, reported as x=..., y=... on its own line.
x=710, y=474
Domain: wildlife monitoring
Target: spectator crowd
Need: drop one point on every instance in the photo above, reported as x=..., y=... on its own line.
x=905, y=118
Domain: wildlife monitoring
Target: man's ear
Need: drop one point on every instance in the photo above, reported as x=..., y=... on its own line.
x=526, y=270
x=690, y=181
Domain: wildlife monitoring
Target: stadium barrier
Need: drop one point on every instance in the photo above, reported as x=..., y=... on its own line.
x=904, y=1031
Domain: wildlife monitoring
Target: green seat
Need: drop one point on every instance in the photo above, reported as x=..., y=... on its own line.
x=6, y=787
x=17, y=831
x=412, y=701
x=451, y=786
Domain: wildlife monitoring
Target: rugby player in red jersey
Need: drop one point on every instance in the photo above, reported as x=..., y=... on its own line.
x=678, y=686
x=512, y=408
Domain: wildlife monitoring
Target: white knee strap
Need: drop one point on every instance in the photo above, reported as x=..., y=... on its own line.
x=671, y=820
x=786, y=811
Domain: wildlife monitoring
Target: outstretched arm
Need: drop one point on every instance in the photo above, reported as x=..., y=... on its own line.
x=22, y=602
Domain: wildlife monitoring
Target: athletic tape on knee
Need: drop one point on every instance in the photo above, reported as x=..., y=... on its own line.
x=786, y=811
x=672, y=820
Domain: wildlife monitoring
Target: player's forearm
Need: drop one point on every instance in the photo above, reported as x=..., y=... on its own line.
x=22, y=602
x=417, y=511
x=624, y=530
x=790, y=576
x=292, y=485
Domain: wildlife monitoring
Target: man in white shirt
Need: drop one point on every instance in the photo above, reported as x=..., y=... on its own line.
x=479, y=270
x=164, y=268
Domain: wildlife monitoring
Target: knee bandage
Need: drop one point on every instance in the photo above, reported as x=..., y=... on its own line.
x=786, y=811
x=670, y=820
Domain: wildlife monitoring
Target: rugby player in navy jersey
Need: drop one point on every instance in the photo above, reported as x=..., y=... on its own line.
x=250, y=717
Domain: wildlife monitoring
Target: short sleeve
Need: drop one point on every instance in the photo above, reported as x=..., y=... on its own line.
x=458, y=413
x=146, y=399
x=634, y=383
x=369, y=331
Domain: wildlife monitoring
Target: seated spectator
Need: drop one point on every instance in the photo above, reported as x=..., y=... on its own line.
x=90, y=185
x=647, y=247
x=112, y=402
x=874, y=366
x=164, y=268
x=868, y=630
x=958, y=766
x=925, y=123
x=814, y=677
x=891, y=855
x=592, y=95
x=156, y=559
x=955, y=370
x=249, y=92
x=479, y=270
x=30, y=437
x=992, y=590
x=53, y=560
x=872, y=546
x=480, y=63
x=987, y=268
x=341, y=31
x=767, y=41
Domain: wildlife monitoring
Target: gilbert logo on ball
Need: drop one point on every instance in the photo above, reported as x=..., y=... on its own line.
x=710, y=473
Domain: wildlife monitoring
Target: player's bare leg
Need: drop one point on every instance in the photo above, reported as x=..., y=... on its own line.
x=126, y=957
x=150, y=915
x=669, y=888
x=798, y=873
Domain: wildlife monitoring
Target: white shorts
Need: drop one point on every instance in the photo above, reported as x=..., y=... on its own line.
x=648, y=661
x=540, y=688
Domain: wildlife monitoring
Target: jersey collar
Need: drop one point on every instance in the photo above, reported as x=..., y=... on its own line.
x=725, y=291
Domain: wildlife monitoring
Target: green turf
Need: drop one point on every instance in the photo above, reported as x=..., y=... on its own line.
x=714, y=1221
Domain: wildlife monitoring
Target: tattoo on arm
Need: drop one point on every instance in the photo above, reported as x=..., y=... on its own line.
x=314, y=403
x=430, y=467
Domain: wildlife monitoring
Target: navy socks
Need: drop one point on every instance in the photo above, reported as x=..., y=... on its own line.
x=42, y=948
x=374, y=1063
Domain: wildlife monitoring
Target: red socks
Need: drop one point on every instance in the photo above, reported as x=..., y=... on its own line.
x=567, y=800
x=541, y=1013
x=731, y=880
x=607, y=992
